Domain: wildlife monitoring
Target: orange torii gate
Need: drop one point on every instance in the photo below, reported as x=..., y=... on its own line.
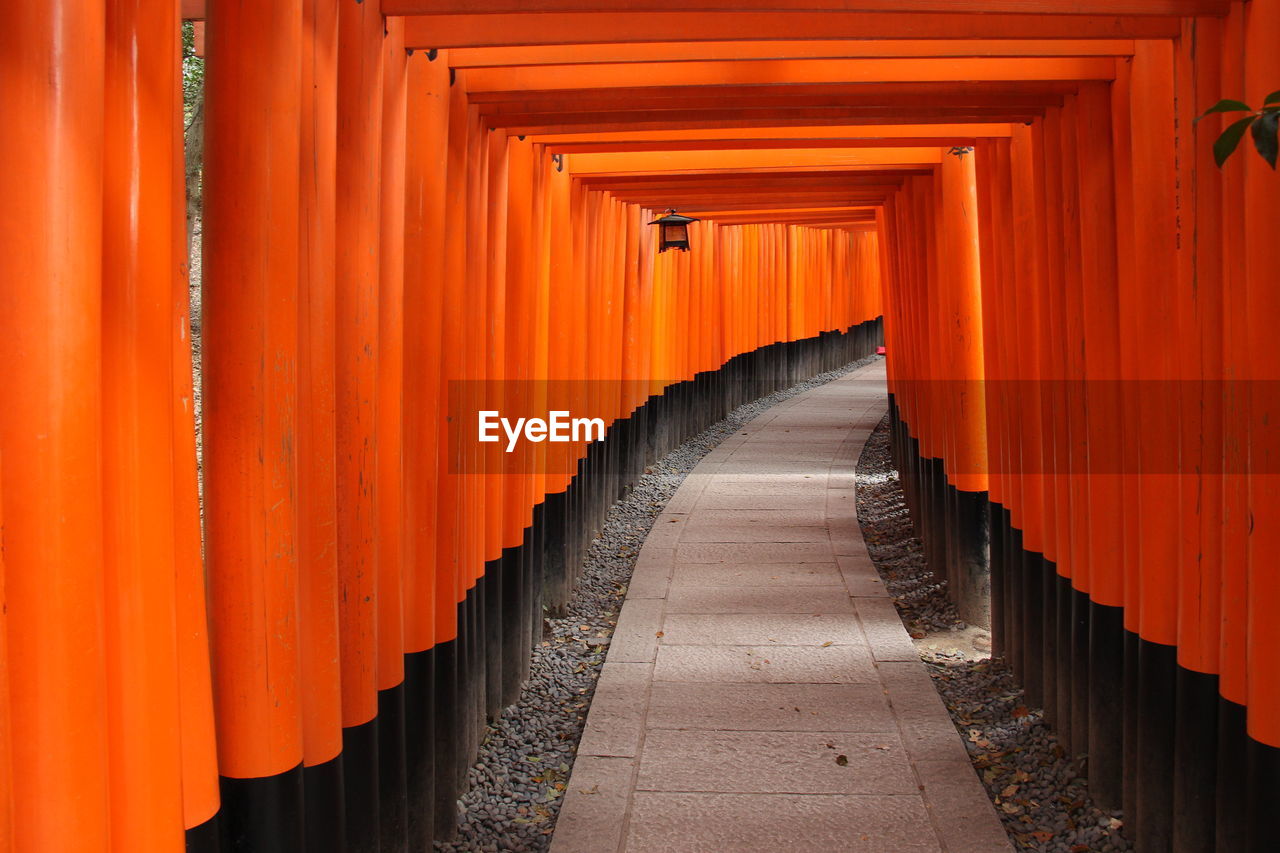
x=419, y=208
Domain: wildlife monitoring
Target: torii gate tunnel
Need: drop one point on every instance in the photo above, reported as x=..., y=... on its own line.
x=415, y=210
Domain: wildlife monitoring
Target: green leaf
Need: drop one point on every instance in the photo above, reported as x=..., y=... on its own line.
x=1226, y=105
x=1273, y=98
x=1229, y=139
x=1264, y=136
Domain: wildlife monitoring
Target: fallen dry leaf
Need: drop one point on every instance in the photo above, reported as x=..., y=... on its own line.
x=842, y=759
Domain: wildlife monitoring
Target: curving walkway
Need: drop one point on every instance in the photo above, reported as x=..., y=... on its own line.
x=760, y=692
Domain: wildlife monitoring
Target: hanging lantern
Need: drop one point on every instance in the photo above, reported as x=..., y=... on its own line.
x=673, y=231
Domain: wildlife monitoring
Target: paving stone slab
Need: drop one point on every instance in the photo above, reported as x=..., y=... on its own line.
x=635, y=638
x=770, y=707
x=766, y=664
x=759, y=599
x=702, y=531
x=770, y=823
x=775, y=762
x=803, y=500
x=615, y=724
x=883, y=627
x=595, y=806
x=814, y=517
x=960, y=808
x=762, y=629
x=762, y=552
x=756, y=574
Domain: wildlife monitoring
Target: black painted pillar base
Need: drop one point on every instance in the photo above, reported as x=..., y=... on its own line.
x=264, y=813
x=1081, y=662
x=393, y=798
x=1264, y=796
x=420, y=763
x=1157, y=676
x=360, y=786
x=968, y=550
x=1231, y=805
x=1195, y=778
x=205, y=837
x=447, y=753
x=1106, y=705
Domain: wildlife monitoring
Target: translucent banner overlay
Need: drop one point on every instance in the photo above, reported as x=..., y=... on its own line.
x=1019, y=426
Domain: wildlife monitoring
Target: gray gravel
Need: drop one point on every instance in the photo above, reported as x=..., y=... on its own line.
x=1039, y=791
x=526, y=757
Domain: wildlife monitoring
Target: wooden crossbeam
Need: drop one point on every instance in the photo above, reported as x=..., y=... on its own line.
x=560, y=28
x=687, y=161
x=642, y=54
x=756, y=144
x=823, y=178
x=790, y=71
x=939, y=94
x=638, y=121
x=747, y=134
x=983, y=7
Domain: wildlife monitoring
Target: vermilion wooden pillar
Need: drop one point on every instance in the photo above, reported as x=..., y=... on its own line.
x=1198, y=368
x=1101, y=388
x=1262, y=259
x=1156, y=244
x=6, y=721
x=357, y=240
x=451, y=504
x=389, y=480
x=1027, y=511
x=1231, y=824
x=138, y=427
x=50, y=421
x=499, y=395
x=250, y=423
x=990, y=386
x=1073, y=611
x=963, y=319
x=426, y=141
x=521, y=284
x=321, y=707
x=1054, y=420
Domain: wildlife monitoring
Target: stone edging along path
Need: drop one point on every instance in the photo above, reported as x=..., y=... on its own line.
x=515, y=789
x=760, y=692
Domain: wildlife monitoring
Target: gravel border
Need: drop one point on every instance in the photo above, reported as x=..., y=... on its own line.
x=1039, y=791
x=514, y=788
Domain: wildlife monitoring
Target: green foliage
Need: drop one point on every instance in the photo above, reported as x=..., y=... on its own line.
x=1262, y=124
x=192, y=73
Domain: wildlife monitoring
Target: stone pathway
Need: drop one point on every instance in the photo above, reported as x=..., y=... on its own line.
x=760, y=692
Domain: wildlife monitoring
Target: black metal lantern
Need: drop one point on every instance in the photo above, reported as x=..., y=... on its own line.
x=673, y=231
